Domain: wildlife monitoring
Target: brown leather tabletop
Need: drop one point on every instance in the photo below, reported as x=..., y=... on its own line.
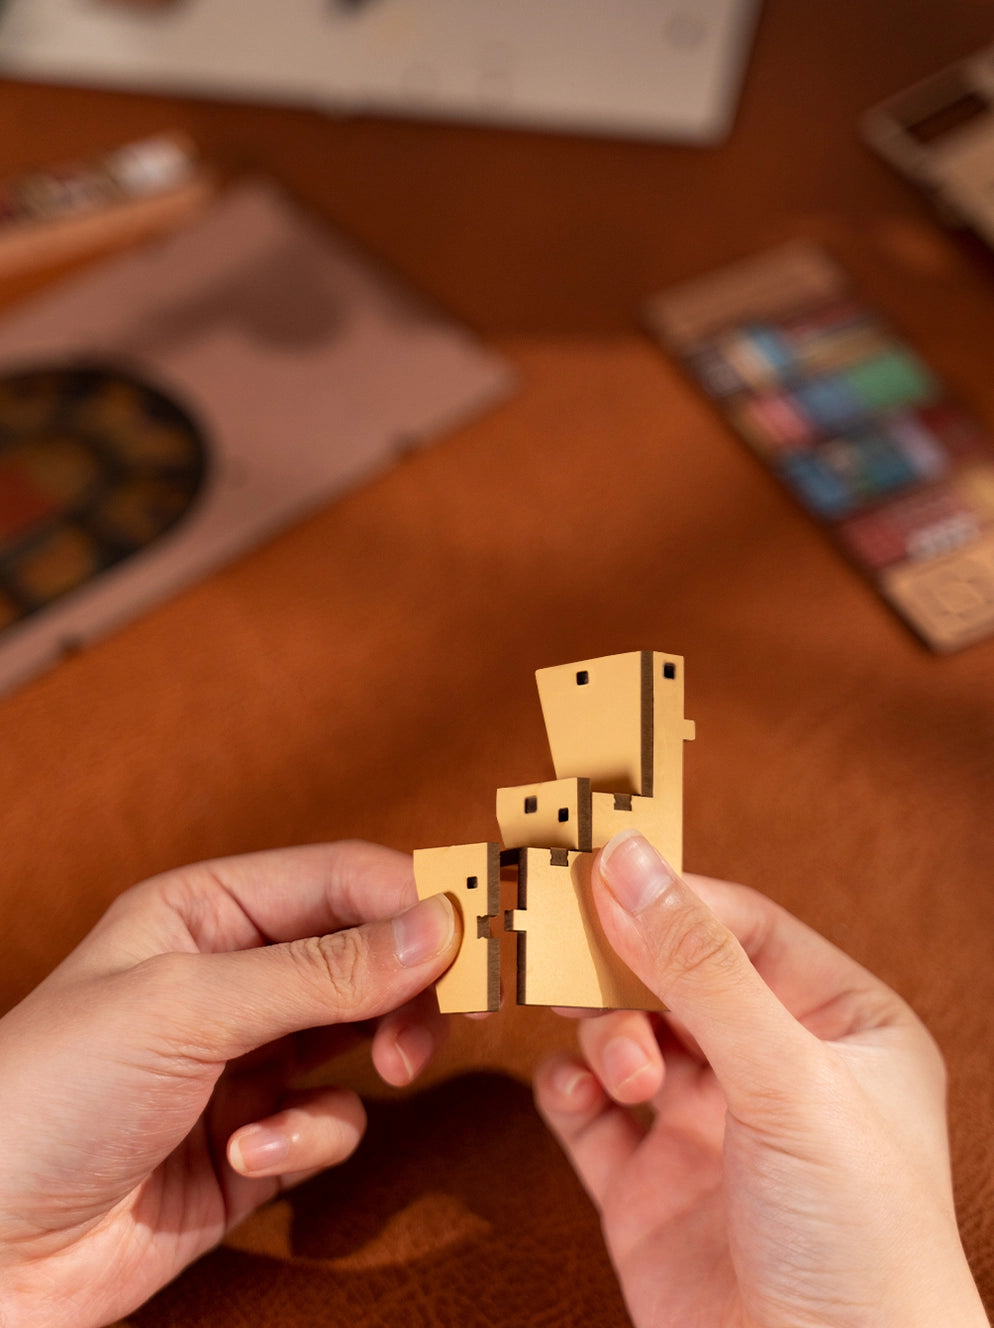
x=370, y=672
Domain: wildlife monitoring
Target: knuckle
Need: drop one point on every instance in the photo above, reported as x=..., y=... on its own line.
x=698, y=944
x=336, y=965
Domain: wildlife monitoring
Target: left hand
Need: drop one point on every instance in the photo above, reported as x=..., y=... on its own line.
x=146, y=1086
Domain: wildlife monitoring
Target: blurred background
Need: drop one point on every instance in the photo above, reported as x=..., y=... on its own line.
x=368, y=670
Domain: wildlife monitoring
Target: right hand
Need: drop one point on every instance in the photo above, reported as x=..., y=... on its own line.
x=796, y=1171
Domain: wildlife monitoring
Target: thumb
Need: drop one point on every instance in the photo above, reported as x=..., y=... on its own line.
x=235, y=1002
x=685, y=954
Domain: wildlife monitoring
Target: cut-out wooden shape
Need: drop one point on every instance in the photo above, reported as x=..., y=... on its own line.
x=598, y=716
x=619, y=721
x=563, y=955
x=555, y=814
x=616, y=729
x=670, y=730
x=613, y=812
x=470, y=875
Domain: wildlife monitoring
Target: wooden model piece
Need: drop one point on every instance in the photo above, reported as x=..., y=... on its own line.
x=470, y=875
x=563, y=956
x=619, y=721
x=555, y=814
x=616, y=729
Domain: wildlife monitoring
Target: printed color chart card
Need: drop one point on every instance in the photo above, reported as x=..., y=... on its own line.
x=856, y=426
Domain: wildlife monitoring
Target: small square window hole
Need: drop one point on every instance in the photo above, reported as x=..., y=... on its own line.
x=531, y=804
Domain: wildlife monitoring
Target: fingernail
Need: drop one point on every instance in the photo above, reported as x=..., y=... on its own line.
x=624, y=1061
x=635, y=873
x=414, y=1047
x=568, y=1079
x=423, y=930
x=258, y=1148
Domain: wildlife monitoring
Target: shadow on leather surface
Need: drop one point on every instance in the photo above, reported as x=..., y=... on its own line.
x=458, y=1208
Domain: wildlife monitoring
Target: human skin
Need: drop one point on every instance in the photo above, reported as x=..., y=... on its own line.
x=795, y=1172
x=147, y=1099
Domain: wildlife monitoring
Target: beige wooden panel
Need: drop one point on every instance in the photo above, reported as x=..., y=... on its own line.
x=554, y=814
x=598, y=717
x=670, y=730
x=659, y=819
x=563, y=955
x=470, y=875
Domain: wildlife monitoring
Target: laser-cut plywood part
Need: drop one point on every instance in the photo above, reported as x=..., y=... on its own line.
x=598, y=718
x=470, y=875
x=670, y=730
x=619, y=721
x=563, y=955
x=555, y=814
x=613, y=812
x=616, y=729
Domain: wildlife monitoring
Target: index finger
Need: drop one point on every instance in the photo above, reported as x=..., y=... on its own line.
x=239, y=903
